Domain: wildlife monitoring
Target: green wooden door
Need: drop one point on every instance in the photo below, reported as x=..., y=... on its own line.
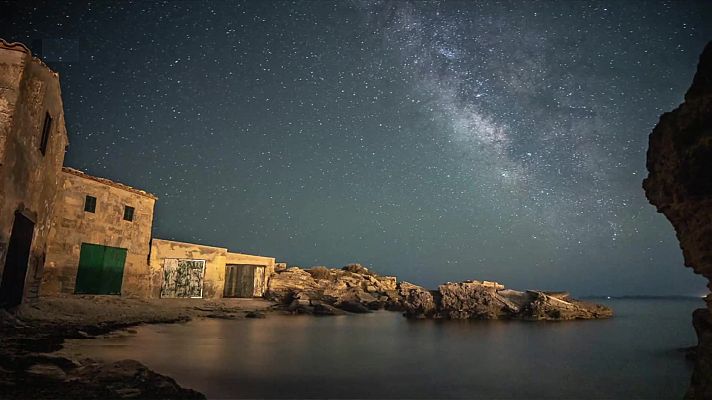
x=101, y=269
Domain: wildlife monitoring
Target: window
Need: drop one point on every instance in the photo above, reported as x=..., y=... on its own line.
x=90, y=204
x=46, y=128
x=128, y=213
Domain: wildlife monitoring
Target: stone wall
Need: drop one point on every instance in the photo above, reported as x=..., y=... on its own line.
x=29, y=180
x=216, y=258
x=72, y=226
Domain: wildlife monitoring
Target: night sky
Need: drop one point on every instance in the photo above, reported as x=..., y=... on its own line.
x=437, y=141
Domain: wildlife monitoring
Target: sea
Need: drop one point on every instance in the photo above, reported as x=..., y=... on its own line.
x=638, y=354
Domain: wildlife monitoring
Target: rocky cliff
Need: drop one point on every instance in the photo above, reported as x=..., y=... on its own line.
x=354, y=288
x=679, y=184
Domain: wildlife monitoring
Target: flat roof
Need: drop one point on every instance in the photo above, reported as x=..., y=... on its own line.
x=108, y=182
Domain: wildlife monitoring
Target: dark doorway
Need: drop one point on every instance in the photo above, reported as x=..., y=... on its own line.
x=16, y=260
x=239, y=281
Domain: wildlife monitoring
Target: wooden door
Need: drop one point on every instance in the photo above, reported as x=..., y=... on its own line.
x=239, y=281
x=101, y=269
x=14, y=273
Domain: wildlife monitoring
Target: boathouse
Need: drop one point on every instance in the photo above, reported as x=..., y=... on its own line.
x=181, y=269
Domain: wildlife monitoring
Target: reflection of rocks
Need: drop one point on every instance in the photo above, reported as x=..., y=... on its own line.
x=355, y=289
x=679, y=184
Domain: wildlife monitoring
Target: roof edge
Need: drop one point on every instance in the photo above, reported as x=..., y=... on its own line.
x=108, y=182
x=22, y=48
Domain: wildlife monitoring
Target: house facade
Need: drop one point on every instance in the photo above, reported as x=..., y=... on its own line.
x=100, y=238
x=181, y=269
x=33, y=139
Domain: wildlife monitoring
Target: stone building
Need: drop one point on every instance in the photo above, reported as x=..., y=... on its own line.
x=191, y=270
x=64, y=231
x=32, y=145
x=100, y=238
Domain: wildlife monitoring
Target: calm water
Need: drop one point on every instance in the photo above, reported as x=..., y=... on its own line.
x=383, y=355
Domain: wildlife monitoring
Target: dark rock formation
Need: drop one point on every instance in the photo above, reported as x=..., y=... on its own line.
x=416, y=301
x=490, y=300
x=323, y=291
x=679, y=184
x=40, y=376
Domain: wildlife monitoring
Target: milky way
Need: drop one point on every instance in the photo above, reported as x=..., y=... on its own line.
x=432, y=140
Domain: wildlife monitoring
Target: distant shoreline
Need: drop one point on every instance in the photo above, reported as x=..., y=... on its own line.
x=644, y=297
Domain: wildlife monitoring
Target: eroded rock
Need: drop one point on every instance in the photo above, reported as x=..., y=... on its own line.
x=679, y=184
x=490, y=300
x=353, y=288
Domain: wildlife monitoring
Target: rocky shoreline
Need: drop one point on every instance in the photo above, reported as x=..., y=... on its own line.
x=30, y=333
x=353, y=288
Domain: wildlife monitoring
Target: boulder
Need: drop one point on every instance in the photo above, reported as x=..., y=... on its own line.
x=417, y=302
x=325, y=309
x=472, y=300
x=283, y=285
x=357, y=269
x=353, y=288
x=353, y=307
x=542, y=306
x=490, y=300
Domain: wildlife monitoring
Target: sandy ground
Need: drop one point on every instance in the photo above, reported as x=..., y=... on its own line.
x=97, y=310
x=33, y=330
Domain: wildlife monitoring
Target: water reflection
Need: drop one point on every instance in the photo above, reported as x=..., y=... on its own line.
x=382, y=355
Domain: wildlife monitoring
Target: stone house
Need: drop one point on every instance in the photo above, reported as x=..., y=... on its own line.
x=33, y=139
x=191, y=270
x=100, y=238
x=64, y=231
x=100, y=243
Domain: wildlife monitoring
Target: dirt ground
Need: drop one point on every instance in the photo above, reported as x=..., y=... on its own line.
x=31, y=331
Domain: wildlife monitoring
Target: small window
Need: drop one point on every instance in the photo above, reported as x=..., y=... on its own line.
x=90, y=204
x=46, y=128
x=128, y=213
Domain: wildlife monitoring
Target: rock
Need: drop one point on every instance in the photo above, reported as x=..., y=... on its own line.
x=417, y=302
x=128, y=393
x=357, y=269
x=545, y=307
x=301, y=290
x=679, y=184
x=325, y=309
x=255, y=314
x=472, y=300
x=283, y=285
x=48, y=371
x=490, y=300
x=353, y=306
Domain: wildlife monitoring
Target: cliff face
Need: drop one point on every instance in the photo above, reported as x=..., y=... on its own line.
x=679, y=184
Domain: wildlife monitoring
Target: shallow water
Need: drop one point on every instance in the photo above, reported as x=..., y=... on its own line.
x=383, y=355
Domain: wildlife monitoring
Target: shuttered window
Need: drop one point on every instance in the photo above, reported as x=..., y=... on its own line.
x=128, y=213
x=46, y=129
x=90, y=204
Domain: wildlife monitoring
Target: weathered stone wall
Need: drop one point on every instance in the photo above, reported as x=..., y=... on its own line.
x=29, y=180
x=679, y=184
x=72, y=226
x=216, y=258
